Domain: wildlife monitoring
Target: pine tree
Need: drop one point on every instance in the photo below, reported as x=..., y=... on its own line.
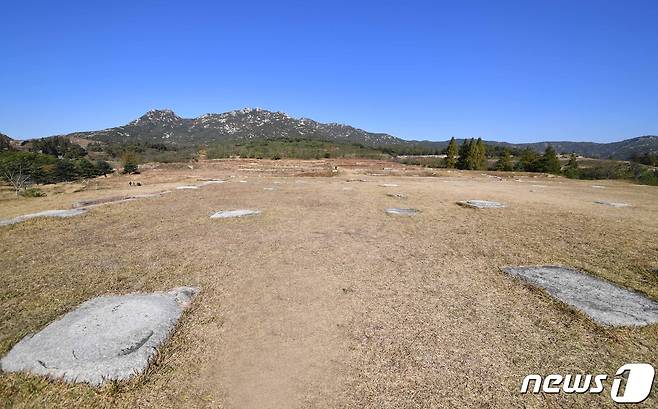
x=480, y=158
x=505, y=161
x=464, y=149
x=473, y=160
x=452, y=152
x=528, y=161
x=84, y=168
x=549, y=161
x=571, y=170
x=102, y=167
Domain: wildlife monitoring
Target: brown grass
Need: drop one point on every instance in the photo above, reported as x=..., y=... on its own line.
x=324, y=300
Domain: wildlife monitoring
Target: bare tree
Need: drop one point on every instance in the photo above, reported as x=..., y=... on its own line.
x=16, y=177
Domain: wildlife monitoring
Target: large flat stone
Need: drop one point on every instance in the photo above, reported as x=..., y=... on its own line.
x=103, y=200
x=105, y=338
x=47, y=213
x=213, y=182
x=612, y=204
x=604, y=302
x=399, y=211
x=481, y=204
x=227, y=214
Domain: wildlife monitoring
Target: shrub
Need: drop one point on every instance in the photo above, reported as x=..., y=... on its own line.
x=130, y=167
x=32, y=192
x=648, y=177
x=103, y=168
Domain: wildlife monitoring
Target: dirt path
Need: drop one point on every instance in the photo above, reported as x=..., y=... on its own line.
x=284, y=309
x=278, y=341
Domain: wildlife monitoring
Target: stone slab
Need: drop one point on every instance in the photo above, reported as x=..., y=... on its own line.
x=398, y=211
x=612, y=204
x=105, y=338
x=213, y=182
x=481, y=204
x=47, y=213
x=603, y=301
x=226, y=214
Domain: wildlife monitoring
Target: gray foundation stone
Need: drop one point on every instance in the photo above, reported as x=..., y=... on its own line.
x=105, y=338
x=398, y=211
x=612, y=204
x=481, y=204
x=604, y=302
x=47, y=213
x=226, y=214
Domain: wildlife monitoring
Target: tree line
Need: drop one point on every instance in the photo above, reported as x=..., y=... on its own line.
x=472, y=154
x=50, y=160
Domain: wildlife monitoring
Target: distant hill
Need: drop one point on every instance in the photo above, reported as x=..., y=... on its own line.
x=164, y=126
x=622, y=150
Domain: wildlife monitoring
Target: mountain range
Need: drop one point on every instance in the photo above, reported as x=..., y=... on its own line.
x=164, y=126
x=244, y=124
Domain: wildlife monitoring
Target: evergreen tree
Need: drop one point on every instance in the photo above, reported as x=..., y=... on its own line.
x=471, y=155
x=480, y=158
x=464, y=149
x=102, y=167
x=528, y=162
x=549, y=161
x=452, y=152
x=84, y=168
x=65, y=170
x=505, y=161
x=571, y=170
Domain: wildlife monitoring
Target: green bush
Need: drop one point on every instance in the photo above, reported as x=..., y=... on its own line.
x=32, y=192
x=130, y=167
x=648, y=177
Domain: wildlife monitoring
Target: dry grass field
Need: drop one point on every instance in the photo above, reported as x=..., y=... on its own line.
x=324, y=300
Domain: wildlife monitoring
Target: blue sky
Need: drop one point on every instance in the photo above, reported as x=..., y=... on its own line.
x=518, y=71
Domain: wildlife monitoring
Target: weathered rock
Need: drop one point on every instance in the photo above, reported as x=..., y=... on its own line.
x=398, y=211
x=105, y=338
x=103, y=200
x=481, y=204
x=612, y=204
x=156, y=194
x=47, y=213
x=604, y=302
x=213, y=182
x=397, y=195
x=225, y=214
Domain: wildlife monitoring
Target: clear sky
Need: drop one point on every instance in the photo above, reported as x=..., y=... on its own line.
x=518, y=71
